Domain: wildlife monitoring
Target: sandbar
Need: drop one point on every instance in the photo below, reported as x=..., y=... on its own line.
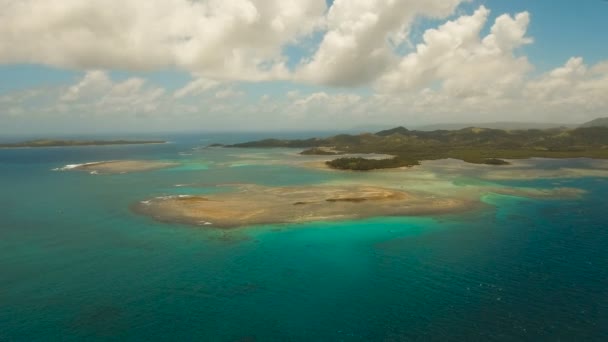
x=118, y=166
x=255, y=205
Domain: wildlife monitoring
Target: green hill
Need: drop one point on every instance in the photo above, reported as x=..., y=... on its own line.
x=599, y=122
x=473, y=144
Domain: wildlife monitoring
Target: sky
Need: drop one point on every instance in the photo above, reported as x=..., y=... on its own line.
x=99, y=66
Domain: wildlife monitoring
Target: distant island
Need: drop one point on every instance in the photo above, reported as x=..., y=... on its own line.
x=472, y=145
x=117, y=166
x=65, y=143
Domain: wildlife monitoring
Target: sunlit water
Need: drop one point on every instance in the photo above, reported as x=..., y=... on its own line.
x=77, y=264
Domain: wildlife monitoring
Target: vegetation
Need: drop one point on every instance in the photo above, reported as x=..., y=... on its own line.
x=318, y=151
x=62, y=143
x=599, y=122
x=494, y=161
x=473, y=145
x=364, y=164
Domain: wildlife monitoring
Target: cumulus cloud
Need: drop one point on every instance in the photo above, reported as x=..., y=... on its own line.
x=468, y=68
x=219, y=39
x=572, y=93
x=92, y=84
x=196, y=87
x=238, y=39
x=361, y=37
x=96, y=92
x=228, y=93
x=465, y=64
x=575, y=90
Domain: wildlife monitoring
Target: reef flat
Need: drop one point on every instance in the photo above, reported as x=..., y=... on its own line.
x=118, y=166
x=254, y=205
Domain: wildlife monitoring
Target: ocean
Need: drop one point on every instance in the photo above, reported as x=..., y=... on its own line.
x=76, y=263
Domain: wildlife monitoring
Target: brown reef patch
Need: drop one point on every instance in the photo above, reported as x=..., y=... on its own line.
x=254, y=205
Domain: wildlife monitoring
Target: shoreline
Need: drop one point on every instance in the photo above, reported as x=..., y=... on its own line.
x=117, y=166
x=254, y=205
x=518, y=169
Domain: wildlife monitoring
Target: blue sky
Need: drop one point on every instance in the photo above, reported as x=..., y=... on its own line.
x=561, y=29
x=305, y=66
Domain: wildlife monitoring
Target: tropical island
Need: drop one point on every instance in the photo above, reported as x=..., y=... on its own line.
x=251, y=204
x=117, y=166
x=254, y=205
x=473, y=145
x=66, y=143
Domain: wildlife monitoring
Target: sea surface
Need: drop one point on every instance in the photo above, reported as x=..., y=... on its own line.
x=76, y=264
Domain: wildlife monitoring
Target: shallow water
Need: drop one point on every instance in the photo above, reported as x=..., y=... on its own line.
x=76, y=263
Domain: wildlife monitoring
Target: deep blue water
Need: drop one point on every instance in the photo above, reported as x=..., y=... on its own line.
x=76, y=264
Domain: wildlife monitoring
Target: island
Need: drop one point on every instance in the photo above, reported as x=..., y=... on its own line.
x=366, y=164
x=66, y=143
x=493, y=147
x=255, y=205
x=251, y=204
x=118, y=166
x=599, y=122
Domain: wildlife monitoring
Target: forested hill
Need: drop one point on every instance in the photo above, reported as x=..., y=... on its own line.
x=400, y=138
x=476, y=145
x=599, y=122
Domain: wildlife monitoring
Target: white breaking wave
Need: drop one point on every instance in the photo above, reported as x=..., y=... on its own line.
x=74, y=166
x=172, y=197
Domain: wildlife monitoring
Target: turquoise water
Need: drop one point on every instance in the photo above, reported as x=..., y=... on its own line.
x=77, y=264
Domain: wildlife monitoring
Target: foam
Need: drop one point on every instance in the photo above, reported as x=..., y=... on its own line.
x=75, y=166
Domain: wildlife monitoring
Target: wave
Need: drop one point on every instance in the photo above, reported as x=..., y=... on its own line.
x=75, y=166
x=172, y=197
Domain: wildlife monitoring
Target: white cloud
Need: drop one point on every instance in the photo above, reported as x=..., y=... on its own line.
x=93, y=83
x=465, y=64
x=236, y=39
x=361, y=37
x=97, y=93
x=228, y=93
x=196, y=87
x=574, y=91
x=558, y=83
x=217, y=39
x=456, y=73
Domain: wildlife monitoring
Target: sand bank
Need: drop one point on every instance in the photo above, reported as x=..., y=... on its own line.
x=117, y=166
x=252, y=205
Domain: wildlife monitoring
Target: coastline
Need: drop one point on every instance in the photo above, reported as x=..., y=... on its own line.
x=472, y=145
x=518, y=169
x=117, y=166
x=254, y=205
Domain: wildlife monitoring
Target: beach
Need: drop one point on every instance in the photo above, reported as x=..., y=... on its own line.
x=118, y=166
